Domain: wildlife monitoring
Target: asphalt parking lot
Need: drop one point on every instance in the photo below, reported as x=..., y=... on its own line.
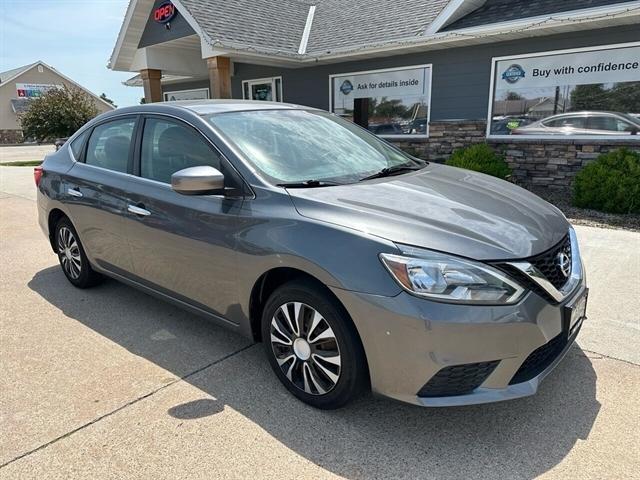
x=112, y=383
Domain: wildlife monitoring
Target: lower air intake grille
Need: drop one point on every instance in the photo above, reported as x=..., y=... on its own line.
x=540, y=359
x=458, y=379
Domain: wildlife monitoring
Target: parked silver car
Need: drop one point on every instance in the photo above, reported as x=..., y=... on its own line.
x=583, y=123
x=357, y=265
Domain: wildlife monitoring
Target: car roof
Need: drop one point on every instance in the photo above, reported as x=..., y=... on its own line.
x=210, y=107
x=585, y=113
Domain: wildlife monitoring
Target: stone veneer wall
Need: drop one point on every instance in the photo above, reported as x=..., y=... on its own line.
x=10, y=136
x=548, y=163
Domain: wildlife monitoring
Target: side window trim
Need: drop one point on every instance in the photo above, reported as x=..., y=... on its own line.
x=130, y=159
x=137, y=146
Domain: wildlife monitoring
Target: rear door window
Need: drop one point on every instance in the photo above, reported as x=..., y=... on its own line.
x=110, y=144
x=169, y=146
x=603, y=123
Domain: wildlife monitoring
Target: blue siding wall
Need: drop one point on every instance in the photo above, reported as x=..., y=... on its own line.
x=461, y=76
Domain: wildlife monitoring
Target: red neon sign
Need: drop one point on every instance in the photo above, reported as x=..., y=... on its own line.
x=164, y=13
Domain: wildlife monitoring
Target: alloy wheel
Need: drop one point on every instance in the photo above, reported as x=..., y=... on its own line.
x=305, y=348
x=69, y=253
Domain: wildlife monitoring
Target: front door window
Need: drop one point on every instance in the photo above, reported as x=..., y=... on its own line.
x=265, y=89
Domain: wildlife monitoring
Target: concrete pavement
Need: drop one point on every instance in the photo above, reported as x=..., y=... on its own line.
x=24, y=153
x=112, y=383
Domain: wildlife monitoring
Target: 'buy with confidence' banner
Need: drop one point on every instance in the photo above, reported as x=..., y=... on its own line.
x=580, y=68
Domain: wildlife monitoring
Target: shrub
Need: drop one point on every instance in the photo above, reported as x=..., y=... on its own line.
x=480, y=158
x=610, y=184
x=57, y=114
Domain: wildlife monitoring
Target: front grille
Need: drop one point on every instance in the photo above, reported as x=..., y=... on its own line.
x=458, y=379
x=540, y=359
x=547, y=263
x=524, y=280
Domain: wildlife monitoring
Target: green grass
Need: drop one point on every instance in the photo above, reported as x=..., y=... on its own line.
x=23, y=163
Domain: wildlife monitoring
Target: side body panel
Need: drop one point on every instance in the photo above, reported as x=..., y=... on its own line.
x=185, y=245
x=97, y=214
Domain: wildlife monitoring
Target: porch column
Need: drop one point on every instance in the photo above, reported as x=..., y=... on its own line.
x=151, y=83
x=219, y=76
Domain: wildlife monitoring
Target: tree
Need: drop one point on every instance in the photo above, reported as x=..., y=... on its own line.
x=104, y=97
x=57, y=114
x=625, y=97
x=390, y=108
x=510, y=95
x=622, y=97
x=589, y=97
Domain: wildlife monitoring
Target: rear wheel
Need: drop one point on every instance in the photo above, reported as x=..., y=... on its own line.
x=312, y=346
x=72, y=257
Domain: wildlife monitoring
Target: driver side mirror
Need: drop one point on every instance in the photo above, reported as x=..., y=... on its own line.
x=203, y=180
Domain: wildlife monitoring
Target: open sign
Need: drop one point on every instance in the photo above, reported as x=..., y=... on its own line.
x=164, y=13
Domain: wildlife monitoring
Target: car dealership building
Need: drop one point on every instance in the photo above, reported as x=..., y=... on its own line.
x=429, y=75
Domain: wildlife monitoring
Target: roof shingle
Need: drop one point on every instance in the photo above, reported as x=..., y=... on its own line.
x=267, y=25
x=338, y=24
x=8, y=74
x=497, y=11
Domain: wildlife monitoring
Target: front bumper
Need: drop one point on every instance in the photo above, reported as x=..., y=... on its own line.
x=408, y=340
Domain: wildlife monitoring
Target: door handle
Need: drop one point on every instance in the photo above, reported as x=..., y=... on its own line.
x=74, y=192
x=138, y=210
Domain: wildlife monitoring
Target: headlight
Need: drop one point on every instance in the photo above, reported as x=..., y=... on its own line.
x=451, y=279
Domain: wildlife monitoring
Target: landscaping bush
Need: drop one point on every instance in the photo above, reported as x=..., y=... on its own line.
x=610, y=184
x=480, y=158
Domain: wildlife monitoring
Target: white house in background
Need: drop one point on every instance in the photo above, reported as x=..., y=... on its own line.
x=21, y=85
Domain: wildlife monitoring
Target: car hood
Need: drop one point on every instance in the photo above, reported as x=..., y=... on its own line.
x=441, y=208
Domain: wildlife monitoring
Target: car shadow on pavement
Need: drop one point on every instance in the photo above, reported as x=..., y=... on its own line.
x=371, y=438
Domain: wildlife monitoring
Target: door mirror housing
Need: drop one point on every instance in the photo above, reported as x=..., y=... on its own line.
x=202, y=180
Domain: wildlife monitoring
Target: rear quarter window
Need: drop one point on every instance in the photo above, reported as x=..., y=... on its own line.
x=77, y=144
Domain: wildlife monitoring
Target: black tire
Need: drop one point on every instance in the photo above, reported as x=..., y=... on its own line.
x=307, y=379
x=73, y=261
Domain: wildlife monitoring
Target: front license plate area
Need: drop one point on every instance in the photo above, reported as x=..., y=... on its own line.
x=575, y=311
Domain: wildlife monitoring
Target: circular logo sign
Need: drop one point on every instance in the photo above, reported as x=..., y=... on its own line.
x=514, y=73
x=164, y=13
x=346, y=88
x=564, y=263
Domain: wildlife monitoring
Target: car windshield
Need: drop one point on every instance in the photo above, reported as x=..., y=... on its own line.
x=290, y=146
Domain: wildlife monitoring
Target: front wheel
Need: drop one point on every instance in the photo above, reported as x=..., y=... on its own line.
x=313, y=346
x=72, y=256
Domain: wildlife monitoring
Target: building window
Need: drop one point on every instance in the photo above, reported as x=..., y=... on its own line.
x=390, y=102
x=266, y=89
x=587, y=92
x=194, y=94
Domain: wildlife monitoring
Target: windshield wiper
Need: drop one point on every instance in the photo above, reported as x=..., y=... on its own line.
x=309, y=184
x=388, y=171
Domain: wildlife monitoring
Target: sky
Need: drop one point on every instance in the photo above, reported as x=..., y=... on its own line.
x=76, y=37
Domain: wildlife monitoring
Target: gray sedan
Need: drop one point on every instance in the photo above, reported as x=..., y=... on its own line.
x=583, y=123
x=359, y=267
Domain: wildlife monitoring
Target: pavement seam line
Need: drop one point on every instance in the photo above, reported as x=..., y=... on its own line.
x=609, y=357
x=128, y=404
